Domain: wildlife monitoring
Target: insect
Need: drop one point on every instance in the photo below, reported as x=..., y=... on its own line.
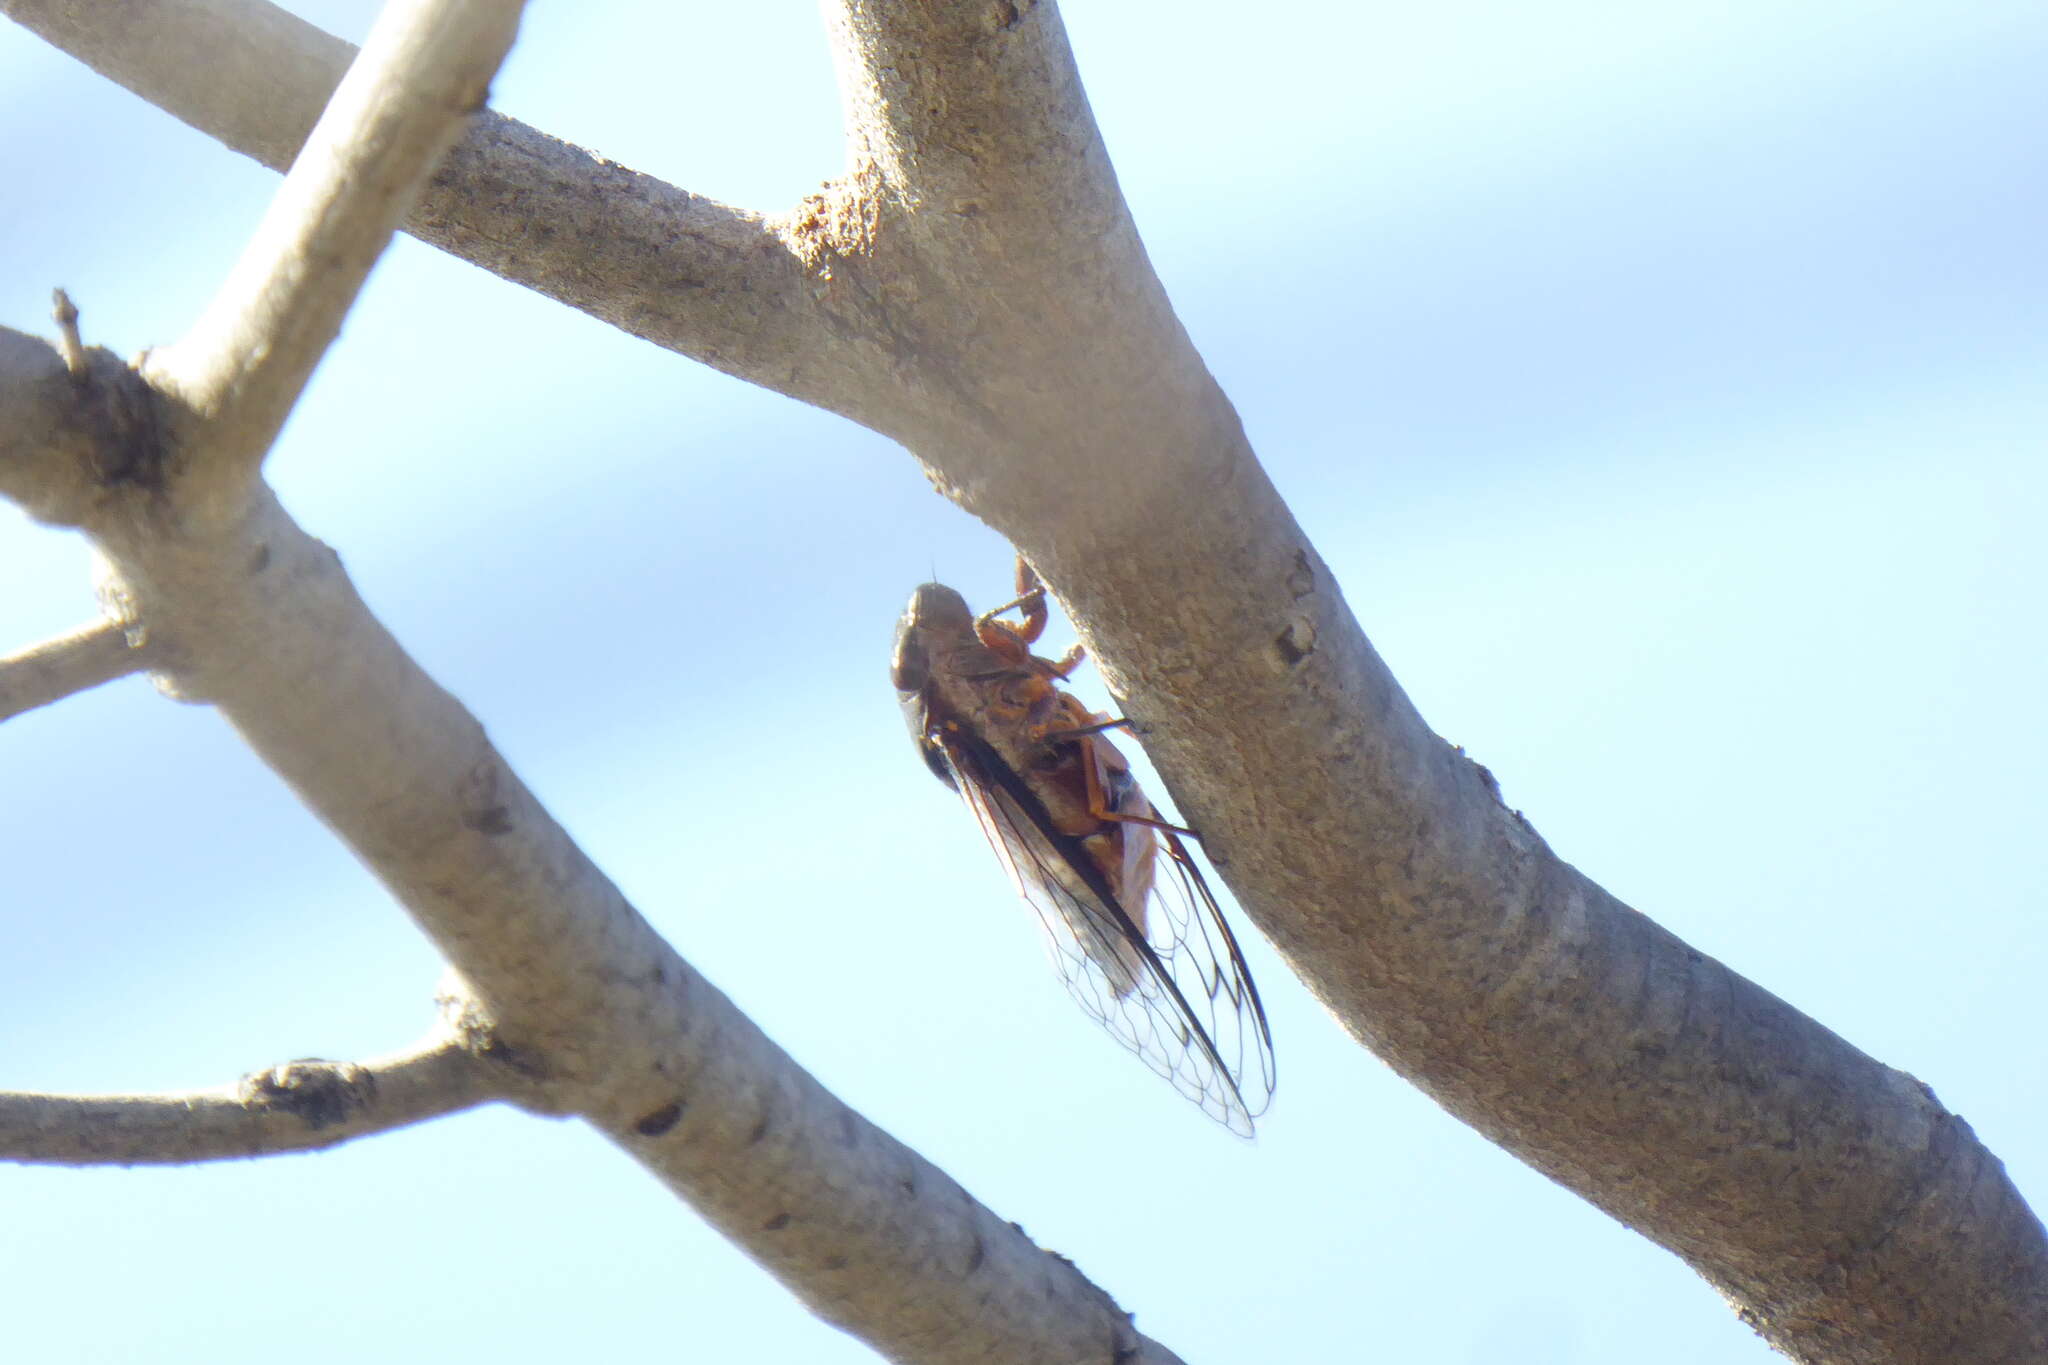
x=1129, y=923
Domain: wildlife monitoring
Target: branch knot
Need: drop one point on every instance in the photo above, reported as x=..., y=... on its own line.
x=321, y=1093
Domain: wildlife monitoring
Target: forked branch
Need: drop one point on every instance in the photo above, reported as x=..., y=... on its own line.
x=598, y=1015
x=685, y=272
x=239, y=370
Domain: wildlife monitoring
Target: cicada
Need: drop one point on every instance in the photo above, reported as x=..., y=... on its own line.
x=1128, y=920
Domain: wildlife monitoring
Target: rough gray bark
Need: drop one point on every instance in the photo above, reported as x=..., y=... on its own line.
x=934, y=293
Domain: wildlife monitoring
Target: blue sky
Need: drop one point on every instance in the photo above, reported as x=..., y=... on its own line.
x=1664, y=388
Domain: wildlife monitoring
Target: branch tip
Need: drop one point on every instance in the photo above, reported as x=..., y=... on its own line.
x=69, y=344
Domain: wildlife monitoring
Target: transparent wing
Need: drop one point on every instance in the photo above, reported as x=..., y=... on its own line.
x=1176, y=992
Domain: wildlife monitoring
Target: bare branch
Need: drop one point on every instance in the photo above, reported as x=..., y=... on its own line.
x=602, y=1014
x=69, y=664
x=69, y=344
x=589, y=1003
x=300, y=1106
x=1836, y=1200
x=425, y=70
x=995, y=245
x=712, y=282
x=985, y=86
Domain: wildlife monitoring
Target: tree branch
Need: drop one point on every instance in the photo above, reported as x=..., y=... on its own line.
x=1850, y=1215
x=300, y=1106
x=715, y=283
x=583, y=997
x=404, y=101
x=91, y=655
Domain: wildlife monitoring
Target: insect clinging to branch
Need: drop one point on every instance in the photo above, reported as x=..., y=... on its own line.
x=1129, y=922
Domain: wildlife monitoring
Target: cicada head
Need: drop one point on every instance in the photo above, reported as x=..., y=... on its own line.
x=936, y=622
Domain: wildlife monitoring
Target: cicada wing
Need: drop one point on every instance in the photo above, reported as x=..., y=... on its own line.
x=1200, y=955
x=1175, y=991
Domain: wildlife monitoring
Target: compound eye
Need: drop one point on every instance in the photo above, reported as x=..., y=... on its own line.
x=911, y=667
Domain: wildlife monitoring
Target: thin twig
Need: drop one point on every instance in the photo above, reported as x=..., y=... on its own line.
x=69, y=664
x=69, y=344
x=299, y=1106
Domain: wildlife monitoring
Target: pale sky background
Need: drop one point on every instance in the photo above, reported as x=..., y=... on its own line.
x=1663, y=383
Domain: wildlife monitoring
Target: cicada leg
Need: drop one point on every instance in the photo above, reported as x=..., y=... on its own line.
x=1095, y=728
x=1097, y=793
x=1030, y=598
x=1067, y=662
x=1036, y=614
